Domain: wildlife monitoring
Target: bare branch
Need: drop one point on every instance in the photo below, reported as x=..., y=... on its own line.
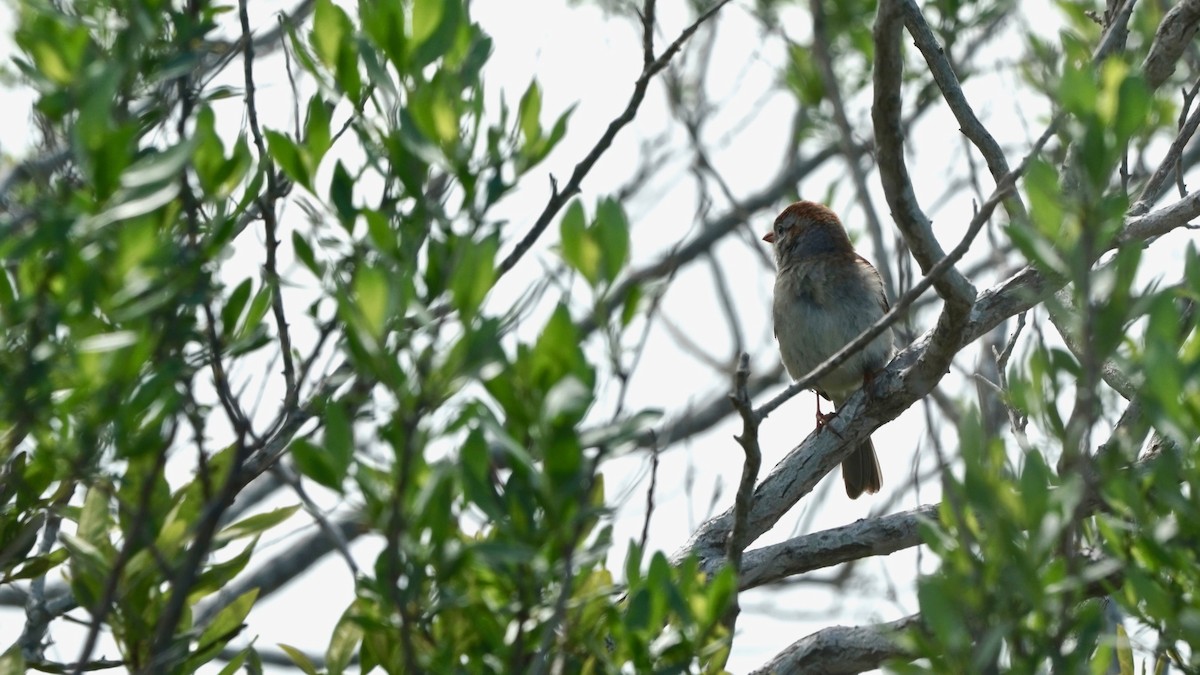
x=842, y=649
x=748, y=439
x=883, y=535
x=952, y=286
x=947, y=81
x=1158, y=183
x=1174, y=34
x=560, y=197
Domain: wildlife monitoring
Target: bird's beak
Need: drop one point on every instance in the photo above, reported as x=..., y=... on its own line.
x=769, y=237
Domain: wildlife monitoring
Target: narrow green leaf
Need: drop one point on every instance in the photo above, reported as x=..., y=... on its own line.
x=95, y=521
x=341, y=193
x=232, y=311
x=227, y=623
x=258, y=309
x=346, y=74
x=339, y=440
x=347, y=635
x=529, y=114
x=38, y=566
x=316, y=129
x=156, y=168
x=217, y=576
x=256, y=524
x=302, y=662
x=305, y=253
x=236, y=662
x=289, y=157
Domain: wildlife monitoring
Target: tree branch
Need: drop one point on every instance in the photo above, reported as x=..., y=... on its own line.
x=560, y=197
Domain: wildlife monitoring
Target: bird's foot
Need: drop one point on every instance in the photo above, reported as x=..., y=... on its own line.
x=823, y=420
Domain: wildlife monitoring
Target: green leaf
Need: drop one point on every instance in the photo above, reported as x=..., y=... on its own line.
x=37, y=566
x=224, y=627
x=475, y=274
x=1134, y=103
x=232, y=311
x=339, y=441
x=612, y=235
x=256, y=524
x=315, y=462
x=305, y=253
x=258, y=309
x=347, y=635
x=632, y=301
x=208, y=159
x=215, y=577
x=341, y=193
x=12, y=662
x=372, y=298
x=95, y=521
x=426, y=16
x=579, y=250
x=435, y=25
x=330, y=28
x=316, y=129
x=558, y=353
x=236, y=662
x=529, y=114
x=383, y=22
x=155, y=168
x=294, y=162
x=347, y=75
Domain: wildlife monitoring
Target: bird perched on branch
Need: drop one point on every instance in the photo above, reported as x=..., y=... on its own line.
x=825, y=296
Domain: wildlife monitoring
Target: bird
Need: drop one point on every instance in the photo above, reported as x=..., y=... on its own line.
x=825, y=295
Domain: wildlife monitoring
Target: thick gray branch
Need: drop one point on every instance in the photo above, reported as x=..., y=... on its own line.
x=842, y=649
x=1174, y=34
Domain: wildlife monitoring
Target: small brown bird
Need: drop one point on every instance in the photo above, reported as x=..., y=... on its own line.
x=825, y=295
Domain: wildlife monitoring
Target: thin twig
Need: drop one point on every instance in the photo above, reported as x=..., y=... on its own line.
x=1157, y=185
x=560, y=197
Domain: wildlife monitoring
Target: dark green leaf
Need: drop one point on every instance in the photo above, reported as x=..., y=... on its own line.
x=339, y=440
x=232, y=311
x=315, y=462
x=305, y=253
x=341, y=193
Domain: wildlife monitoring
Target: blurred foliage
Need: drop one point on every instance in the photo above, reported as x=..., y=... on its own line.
x=1038, y=567
x=138, y=292
x=460, y=441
